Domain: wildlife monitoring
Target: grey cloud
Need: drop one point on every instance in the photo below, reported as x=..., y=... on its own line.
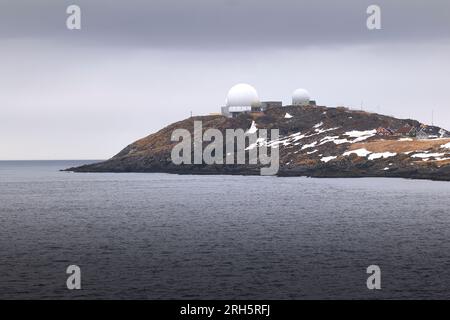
x=137, y=66
x=226, y=23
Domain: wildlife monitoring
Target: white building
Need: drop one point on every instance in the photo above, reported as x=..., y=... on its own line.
x=300, y=97
x=241, y=98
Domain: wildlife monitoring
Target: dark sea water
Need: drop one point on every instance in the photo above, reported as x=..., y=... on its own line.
x=160, y=236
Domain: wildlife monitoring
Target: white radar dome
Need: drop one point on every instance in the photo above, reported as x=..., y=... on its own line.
x=242, y=95
x=300, y=97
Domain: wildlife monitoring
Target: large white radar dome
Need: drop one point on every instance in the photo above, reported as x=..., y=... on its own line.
x=300, y=97
x=242, y=95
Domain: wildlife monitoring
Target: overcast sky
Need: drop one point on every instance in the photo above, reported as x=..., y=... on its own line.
x=136, y=66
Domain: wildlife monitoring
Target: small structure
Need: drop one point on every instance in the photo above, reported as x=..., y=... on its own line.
x=407, y=131
x=444, y=133
x=431, y=132
x=300, y=97
x=381, y=131
x=270, y=104
x=241, y=98
x=421, y=135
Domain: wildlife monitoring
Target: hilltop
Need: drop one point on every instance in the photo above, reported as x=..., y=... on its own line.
x=314, y=141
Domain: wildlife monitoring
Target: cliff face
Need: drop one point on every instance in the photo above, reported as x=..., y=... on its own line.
x=314, y=141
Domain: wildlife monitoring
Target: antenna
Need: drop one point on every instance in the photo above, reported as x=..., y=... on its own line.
x=191, y=114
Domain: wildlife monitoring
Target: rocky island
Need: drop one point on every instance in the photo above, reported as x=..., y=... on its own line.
x=314, y=141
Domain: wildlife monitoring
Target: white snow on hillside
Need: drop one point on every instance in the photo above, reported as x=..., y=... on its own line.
x=360, y=135
x=318, y=125
x=253, y=128
x=306, y=146
x=259, y=142
x=334, y=139
x=427, y=155
x=326, y=159
x=359, y=152
x=384, y=155
x=319, y=131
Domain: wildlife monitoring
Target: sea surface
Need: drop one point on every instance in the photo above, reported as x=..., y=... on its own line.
x=161, y=236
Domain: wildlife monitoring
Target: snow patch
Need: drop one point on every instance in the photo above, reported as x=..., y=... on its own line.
x=326, y=159
x=253, y=128
x=259, y=141
x=319, y=131
x=360, y=135
x=334, y=139
x=306, y=146
x=383, y=155
x=297, y=136
x=427, y=155
x=446, y=146
x=318, y=125
x=287, y=116
x=359, y=152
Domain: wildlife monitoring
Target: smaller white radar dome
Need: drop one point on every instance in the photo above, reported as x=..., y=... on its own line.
x=242, y=95
x=300, y=97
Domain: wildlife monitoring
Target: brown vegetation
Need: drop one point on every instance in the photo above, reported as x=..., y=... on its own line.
x=399, y=146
